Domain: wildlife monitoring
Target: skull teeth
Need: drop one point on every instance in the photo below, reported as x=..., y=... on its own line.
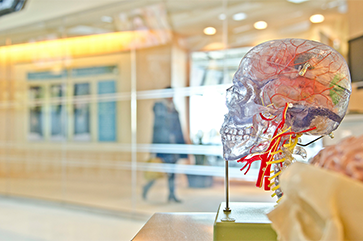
x=233, y=134
x=248, y=131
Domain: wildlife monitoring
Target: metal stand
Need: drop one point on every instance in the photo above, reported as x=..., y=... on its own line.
x=249, y=221
x=226, y=183
x=227, y=210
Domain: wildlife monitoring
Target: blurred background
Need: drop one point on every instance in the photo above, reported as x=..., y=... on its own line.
x=79, y=80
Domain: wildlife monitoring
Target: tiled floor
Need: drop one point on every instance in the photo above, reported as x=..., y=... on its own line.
x=22, y=220
x=99, y=210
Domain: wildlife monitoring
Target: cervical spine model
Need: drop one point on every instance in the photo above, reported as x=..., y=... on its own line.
x=282, y=90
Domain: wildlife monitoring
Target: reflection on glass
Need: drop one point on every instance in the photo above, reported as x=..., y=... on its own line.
x=151, y=25
x=35, y=114
x=58, y=114
x=142, y=46
x=215, y=67
x=106, y=113
x=81, y=114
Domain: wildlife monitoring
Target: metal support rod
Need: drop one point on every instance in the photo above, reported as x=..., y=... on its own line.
x=226, y=183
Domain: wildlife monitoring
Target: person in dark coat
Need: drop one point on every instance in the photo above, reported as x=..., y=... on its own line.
x=166, y=130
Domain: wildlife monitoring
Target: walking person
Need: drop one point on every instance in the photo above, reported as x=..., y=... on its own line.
x=166, y=130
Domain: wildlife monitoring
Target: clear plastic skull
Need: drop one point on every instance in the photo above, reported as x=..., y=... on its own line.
x=281, y=90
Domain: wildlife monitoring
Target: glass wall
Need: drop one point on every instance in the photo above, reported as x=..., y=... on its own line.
x=85, y=97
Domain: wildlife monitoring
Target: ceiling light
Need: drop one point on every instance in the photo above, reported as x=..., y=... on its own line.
x=317, y=18
x=106, y=19
x=209, y=31
x=239, y=16
x=260, y=25
x=297, y=1
x=222, y=16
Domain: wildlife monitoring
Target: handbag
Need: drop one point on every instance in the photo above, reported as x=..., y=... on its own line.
x=153, y=175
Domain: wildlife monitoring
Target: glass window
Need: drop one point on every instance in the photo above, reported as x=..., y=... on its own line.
x=58, y=115
x=81, y=112
x=36, y=113
x=106, y=112
x=97, y=83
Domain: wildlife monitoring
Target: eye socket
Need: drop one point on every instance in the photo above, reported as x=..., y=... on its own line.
x=241, y=89
x=232, y=93
x=235, y=93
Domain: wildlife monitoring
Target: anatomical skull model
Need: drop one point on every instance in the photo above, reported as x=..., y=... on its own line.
x=281, y=90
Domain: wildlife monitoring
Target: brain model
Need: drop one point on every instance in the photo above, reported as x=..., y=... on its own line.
x=281, y=90
x=345, y=158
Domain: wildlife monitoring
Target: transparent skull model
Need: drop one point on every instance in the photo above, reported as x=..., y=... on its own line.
x=281, y=90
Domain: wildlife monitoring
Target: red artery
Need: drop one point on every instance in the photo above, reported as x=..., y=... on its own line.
x=268, y=155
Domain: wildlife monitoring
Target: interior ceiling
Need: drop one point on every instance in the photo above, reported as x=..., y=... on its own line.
x=187, y=19
x=285, y=19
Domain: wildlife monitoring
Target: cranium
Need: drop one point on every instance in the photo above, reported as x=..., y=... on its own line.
x=289, y=86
